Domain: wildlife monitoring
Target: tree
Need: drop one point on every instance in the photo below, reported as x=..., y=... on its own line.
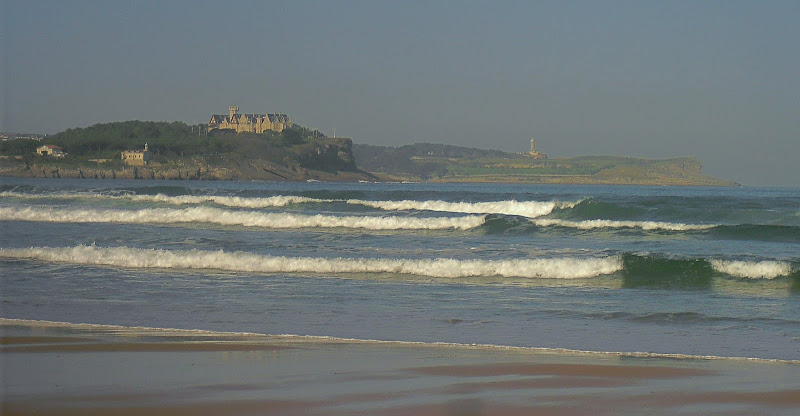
x=293, y=135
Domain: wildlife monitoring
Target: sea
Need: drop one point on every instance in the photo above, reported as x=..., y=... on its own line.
x=650, y=271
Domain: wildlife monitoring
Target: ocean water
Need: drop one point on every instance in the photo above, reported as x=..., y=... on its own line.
x=711, y=272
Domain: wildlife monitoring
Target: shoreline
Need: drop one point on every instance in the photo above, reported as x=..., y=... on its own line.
x=253, y=338
x=93, y=370
x=347, y=177
x=266, y=171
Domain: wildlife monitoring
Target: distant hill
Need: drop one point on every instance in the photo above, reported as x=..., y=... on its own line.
x=446, y=163
x=181, y=151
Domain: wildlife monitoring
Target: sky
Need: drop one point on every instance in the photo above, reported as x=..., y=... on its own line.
x=717, y=80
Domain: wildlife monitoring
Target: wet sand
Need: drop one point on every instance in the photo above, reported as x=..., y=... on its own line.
x=58, y=369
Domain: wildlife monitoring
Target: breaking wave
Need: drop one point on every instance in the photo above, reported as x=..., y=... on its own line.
x=228, y=201
x=639, y=269
x=591, y=208
x=530, y=209
x=654, y=269
x=497, y=217
x=761, y=232
x=547, y=268
x=234, y=218
x=645, y=225
x=752, y=270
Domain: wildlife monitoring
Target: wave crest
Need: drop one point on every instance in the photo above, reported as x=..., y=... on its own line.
x=645, y=225
x=530, y=209
x=228, y=201
x=547, y=268
x=234, y=218
x=752, y=269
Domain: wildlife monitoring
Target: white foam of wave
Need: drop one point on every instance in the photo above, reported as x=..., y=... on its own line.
x=530, y=209
x=233, y=218
x=125, y=330
x=645, y=225
x=322, y=339
x=229, y=201
x=550, y=268
x=751, y=269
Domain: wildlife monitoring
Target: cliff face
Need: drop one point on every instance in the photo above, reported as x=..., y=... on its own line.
x=334, y=155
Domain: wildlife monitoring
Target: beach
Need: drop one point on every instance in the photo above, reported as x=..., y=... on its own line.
x=54, y=368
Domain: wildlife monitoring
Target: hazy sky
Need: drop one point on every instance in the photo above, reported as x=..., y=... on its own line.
x=719, y=80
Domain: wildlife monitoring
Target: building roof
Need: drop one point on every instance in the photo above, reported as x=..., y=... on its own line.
x=248, y=118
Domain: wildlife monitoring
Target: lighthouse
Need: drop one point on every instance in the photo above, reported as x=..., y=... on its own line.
x=534, y=153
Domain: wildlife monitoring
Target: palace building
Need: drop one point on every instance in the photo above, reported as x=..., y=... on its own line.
x=249, y=123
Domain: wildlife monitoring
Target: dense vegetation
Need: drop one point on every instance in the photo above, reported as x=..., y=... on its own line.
x=18, y=147
x=163, y=138
x=108, y=140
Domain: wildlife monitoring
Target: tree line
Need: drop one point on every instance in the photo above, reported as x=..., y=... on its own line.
x=165, y=139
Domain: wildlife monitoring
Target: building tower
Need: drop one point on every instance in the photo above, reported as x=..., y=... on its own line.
x=535, y=153
x=232, y=111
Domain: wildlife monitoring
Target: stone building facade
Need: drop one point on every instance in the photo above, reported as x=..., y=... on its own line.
x=136, y=157
x=249, y=123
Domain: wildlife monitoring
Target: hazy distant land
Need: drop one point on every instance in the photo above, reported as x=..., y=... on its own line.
x=181, y=151
x=445, y=163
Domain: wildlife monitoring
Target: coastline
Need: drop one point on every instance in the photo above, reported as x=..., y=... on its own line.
x=283, y=174
x=189, y=171
x=61, y=368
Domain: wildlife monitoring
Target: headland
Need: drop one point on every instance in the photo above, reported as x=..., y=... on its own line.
x=270, y=147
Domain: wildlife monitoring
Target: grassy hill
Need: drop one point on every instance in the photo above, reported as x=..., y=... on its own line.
x=437, y=162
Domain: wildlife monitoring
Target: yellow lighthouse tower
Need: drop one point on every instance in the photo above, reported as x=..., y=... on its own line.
x=535, y=154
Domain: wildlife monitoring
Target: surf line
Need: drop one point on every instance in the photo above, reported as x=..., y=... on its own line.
x=238, y=336
x=530, y=209
x=220, y=216
x=237, y=261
